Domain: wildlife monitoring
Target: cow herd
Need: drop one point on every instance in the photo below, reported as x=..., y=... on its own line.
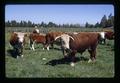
x=70, y=42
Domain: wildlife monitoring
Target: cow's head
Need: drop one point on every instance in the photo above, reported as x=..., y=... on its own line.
x=20, y=42
x=64, y=40
x=102, y=37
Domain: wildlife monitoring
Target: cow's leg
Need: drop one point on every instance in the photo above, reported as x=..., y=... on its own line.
x=21, y=54
x=43, y=46
x=48, y=47
x=16, y=53
x=30, y=42
x=72, y=57
x=32, y=45
x=92, y=55
x=104, y=41
x=52, y=46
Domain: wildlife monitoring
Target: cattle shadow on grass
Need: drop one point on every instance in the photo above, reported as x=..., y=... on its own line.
x=65, y=61
x=11, y=53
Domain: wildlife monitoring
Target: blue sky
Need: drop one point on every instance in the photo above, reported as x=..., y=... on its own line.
x=58, y=14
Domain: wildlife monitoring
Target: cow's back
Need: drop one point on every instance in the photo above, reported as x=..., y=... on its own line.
x=39, y=38
x=83, y=40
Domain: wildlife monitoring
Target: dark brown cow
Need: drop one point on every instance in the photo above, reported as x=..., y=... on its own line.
x=17, y=41
x=50, y=38
x=37, y=38
x=79, y=43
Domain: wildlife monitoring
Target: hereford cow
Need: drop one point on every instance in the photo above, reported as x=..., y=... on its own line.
x=17, y=41
x=36, y=38
x=50, y=38
x=79, y=43
x=106, y=35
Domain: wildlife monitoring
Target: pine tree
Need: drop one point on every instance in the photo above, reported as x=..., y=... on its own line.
x=103, y=22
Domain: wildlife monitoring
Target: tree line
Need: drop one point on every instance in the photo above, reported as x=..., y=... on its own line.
x=105, y=22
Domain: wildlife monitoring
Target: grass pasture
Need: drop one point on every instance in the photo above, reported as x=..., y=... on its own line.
x=32, y=64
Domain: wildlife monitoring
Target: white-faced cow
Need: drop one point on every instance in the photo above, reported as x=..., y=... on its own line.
x=79, y=43
x=17, y=41
x=106, y=35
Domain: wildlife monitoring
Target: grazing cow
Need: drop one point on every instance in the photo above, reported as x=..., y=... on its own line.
x=36, y=38
x=50, y=38
x=79, y=43
x=17, y=41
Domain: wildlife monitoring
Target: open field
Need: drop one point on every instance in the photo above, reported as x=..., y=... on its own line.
x=32, y=64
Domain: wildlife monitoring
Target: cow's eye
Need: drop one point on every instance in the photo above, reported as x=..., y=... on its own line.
x=63, y=42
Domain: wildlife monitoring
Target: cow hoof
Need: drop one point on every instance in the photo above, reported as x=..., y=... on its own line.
x=72, y=64
x=21, y=56
x=44, y=59
x=89, y=61
x=33, y=49
x=43, y=49
x=17, y=57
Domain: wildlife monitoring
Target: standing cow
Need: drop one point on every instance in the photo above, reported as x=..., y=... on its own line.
x=37, y=38
x=79, y=43
x=17, y=41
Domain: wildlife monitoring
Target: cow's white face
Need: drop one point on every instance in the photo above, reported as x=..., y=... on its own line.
x=102, y=34
x=65, y=40
x=21, y=37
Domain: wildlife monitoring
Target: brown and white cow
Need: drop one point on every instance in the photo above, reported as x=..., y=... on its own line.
x=37, y=38
x=106, y=35
x=17, y=41
x=79, y=43
x=50, y=38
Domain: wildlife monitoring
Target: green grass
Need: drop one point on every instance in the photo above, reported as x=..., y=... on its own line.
x=32, y=65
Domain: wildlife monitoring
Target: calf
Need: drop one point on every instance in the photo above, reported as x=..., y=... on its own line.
x=79, y=43
x=36, y=38
x=17, y=41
